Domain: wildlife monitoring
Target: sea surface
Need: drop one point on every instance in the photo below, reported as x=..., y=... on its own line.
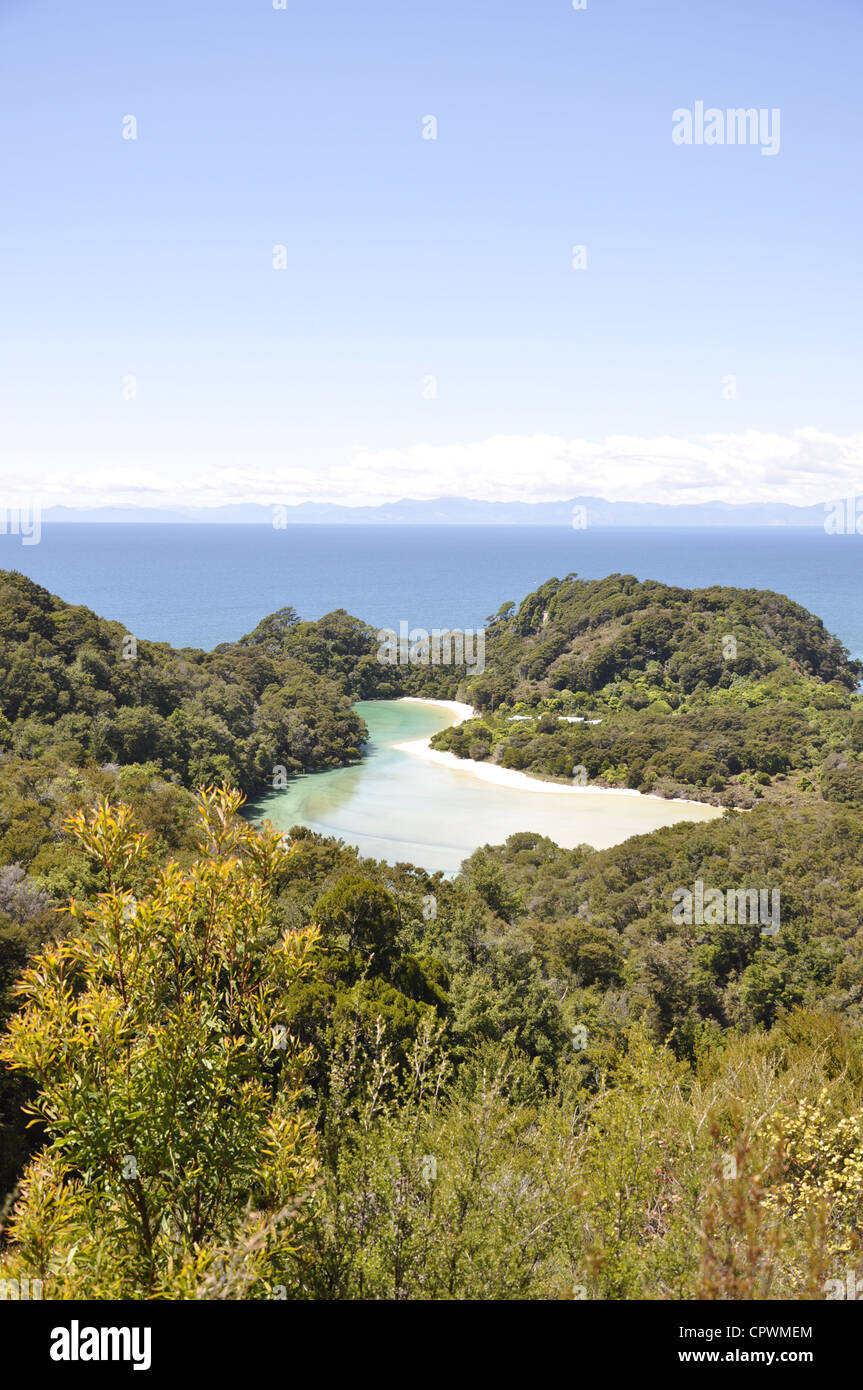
x=396, y=807
x=199, y=585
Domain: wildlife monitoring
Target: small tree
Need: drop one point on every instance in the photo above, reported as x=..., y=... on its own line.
x=167, y=1082
x=360, y=913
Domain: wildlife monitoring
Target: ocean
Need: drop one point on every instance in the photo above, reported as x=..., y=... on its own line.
x=198, y=585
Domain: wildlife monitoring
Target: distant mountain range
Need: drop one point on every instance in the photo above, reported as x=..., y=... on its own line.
x=456, y=511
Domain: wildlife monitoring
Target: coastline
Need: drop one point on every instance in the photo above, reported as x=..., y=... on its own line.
x=511, y=777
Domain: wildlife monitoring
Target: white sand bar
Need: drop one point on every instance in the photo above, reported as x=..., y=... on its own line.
x=521, y=781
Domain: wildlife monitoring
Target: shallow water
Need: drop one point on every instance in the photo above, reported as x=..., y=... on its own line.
x=396, y=807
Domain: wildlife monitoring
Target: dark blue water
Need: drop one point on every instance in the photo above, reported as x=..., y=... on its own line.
x=200, y=585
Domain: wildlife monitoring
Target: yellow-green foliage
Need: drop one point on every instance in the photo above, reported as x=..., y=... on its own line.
x=178, y=1154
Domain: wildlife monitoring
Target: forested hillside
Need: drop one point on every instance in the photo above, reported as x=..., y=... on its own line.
x=93, y=692
x=718, y=694
x=527, y=1083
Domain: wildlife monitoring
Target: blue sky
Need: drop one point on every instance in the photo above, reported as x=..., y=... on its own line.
x=410, y=259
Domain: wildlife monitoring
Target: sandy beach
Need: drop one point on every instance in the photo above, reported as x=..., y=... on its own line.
x=510, y=777
x=463, y=712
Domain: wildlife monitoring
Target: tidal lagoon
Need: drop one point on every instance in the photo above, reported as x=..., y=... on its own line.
x=404, y=802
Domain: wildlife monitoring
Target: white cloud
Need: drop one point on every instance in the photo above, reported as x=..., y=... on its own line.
x=806, y=466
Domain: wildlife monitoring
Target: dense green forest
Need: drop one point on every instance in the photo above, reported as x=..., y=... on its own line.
x=94, y=693
x=726, y=695
x=261, y=1069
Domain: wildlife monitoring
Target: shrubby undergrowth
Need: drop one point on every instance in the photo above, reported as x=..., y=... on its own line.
x=275, y=1074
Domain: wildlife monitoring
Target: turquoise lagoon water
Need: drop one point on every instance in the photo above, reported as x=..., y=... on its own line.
x=396, y=807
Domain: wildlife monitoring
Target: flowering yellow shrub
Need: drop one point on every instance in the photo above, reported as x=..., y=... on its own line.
x=821, y=1164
